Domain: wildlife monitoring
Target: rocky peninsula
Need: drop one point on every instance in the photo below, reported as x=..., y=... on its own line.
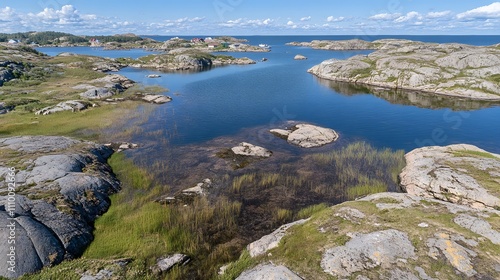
x=446, y=226
x=457, y=70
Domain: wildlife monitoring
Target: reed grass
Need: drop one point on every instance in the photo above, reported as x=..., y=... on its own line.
x=139, y=228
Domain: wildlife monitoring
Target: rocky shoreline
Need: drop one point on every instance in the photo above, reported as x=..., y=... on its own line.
x=61, y=186
x=449, y=216
x=456, y=70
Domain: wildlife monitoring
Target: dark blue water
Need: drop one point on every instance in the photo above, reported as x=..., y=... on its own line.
x=228, y=100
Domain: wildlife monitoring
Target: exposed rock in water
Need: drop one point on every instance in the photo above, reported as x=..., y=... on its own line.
x=271, y=240
x=300, y=57
x=269, y=271
x=62, y=186
x=121, y=146
x=247, y=149
x=402, y=235
x=72, y=105
x=307, y=135
x=199, y=189
x=448, y=69
x=445, y=173
x=157, y=98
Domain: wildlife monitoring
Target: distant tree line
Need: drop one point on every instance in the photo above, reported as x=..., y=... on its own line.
x=52, y=37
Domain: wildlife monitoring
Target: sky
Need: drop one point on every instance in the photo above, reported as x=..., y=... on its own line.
x=252, y=17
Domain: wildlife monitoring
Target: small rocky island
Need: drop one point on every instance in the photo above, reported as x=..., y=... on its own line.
x=457, y=70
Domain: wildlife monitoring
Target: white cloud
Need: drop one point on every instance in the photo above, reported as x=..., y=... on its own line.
x=333, y=19
x=67, y=14
x=409, y=16
x=291, y=24
x=308, y=18
x=247, y=22
x=484, y=12
x=7, y=14
x=385, y=16
x=438, y=14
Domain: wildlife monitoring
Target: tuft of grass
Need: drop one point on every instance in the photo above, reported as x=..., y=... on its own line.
x=495, y=78
x=234, y=269
x=364, y=190
x=467, y=153
x=311, y=210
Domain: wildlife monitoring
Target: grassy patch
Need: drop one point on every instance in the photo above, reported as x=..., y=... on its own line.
x=476, y=154
x=392, y=79
x=234, y=269
x=136, y=226
x=311, y=210
x=67, y=123
x=362, y=73
x=494, y=78
x=483, y=177
x=364, y=190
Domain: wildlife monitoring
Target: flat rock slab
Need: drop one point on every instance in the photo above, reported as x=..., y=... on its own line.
x=271, y=240
x=457, y=255
x=442, y=173
x=166, y=263
x=367, y=251
x=478, y=226
x=72, y=105
x=157, y=98
x=250, y=150
x=307, y=135
x=269, y=271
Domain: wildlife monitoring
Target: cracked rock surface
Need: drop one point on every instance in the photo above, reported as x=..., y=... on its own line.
x=462, y=174
x=61, y=186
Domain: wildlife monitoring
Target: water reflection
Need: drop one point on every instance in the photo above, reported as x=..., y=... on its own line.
x=406, y=97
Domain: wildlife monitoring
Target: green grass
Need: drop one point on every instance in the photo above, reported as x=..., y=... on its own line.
x=311, y=210
x=75, y=124
x=364, y=190
x=234, y=269
x=392, y=79
x=360, y=169
x=477, y=154
x=137, y=227
x=495, y=78
x=362, y=73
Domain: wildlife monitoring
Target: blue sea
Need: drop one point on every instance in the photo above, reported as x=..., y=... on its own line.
x=236, y=101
